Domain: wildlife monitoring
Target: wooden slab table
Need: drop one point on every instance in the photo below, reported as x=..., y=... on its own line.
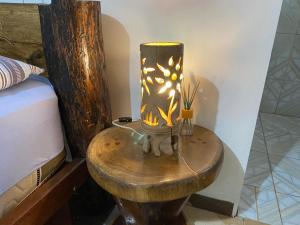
x=152, y=190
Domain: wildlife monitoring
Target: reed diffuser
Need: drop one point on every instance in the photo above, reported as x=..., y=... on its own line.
x=187, y=111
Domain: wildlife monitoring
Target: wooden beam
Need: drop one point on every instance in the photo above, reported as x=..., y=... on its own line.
x=62, y=216
x=45, y=201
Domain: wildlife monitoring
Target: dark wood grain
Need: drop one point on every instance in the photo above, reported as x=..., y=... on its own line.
x=118, y=165
x=49, y=198
x=152, y=190
x=212, y=204
x=158, y=213
x=20, y=38
x=62, y=216
x=73, y=47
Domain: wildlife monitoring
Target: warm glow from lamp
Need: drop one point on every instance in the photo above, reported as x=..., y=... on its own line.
x=161, y=76
x=163, y=44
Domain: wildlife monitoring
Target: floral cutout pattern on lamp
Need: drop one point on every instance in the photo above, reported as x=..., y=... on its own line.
x=161, y=77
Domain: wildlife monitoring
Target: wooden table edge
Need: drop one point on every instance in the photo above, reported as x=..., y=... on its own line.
x=113, y=186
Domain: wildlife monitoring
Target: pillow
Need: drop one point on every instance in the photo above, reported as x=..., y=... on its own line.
x=14, y=71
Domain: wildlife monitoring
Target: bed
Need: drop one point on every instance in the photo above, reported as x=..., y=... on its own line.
x=29, y=152
x=35, y=180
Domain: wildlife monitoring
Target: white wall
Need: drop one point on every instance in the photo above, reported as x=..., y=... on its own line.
x=227, y=44
x=27, y=1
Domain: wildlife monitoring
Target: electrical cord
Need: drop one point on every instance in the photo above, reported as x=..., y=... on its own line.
x=126, y=127
x=128, y=119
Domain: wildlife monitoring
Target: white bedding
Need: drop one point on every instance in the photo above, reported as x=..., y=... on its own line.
x=30, y=129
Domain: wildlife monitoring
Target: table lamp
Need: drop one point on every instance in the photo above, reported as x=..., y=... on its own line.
x=161, y=76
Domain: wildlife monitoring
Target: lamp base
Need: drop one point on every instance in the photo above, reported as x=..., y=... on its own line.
x=159, y=140
x=158, y=143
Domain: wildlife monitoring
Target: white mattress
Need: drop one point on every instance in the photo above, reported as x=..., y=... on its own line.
x=30, y=129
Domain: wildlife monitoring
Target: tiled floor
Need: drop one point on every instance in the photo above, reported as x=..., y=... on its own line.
x=282, y=89
x=196, y=216
x=271, y=192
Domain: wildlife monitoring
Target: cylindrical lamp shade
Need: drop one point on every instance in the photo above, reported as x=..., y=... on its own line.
x=161, y=76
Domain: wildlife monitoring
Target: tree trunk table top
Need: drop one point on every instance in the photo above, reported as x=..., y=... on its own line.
x=118, y=164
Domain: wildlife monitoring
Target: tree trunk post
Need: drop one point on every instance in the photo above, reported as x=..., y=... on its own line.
x=73, y=46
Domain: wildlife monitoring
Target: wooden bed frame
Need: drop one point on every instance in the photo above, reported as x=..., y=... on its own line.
x=20, y=38
x=20, y=33
x=48, y=204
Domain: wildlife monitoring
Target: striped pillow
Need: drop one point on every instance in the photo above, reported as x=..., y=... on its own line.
x=14, y=71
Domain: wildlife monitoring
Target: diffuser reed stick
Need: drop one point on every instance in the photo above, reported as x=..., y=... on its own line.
x=187, y=112
x=187, y=98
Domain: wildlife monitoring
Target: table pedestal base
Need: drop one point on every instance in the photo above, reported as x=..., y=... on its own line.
x=157, y=213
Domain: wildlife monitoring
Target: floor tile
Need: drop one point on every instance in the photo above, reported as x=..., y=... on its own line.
x=196, y=216
x=296, y=49
x=276, y=125
x=285, y=165
x=264, y=196
x=258, y=171
x=286, y=174
x=282, y=135
x=285, y=59
x=267, y=207
x=258, y=142
x=283, y=45
x=284, y=184
x=289, y=100
x=289, y=16
x=275, y=186
x=247, y=205
x=285, y=145
x=258, y=128
x=258, y=159
x=270, y=97
x=283, y=68
x=289, y=208
x=295, y=53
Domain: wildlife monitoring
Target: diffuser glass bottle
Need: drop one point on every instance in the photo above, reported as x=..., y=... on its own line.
x=187, y=111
